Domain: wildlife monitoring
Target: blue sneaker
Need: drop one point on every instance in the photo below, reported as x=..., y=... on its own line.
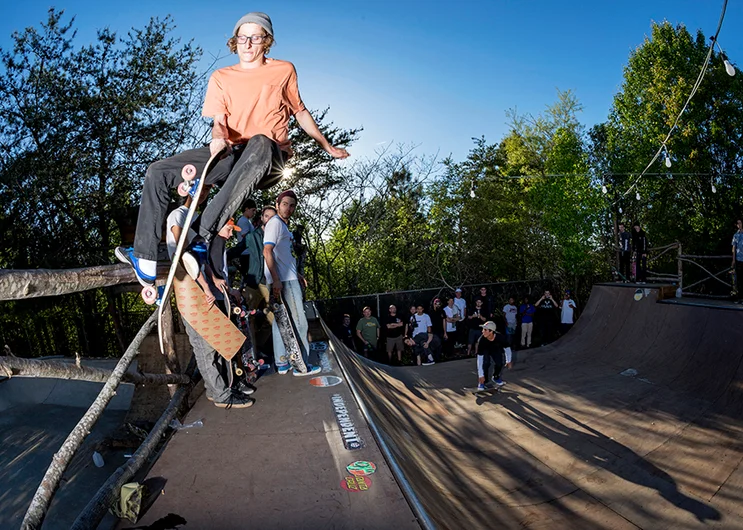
x=126, y=255
x=311, y=370
x=499, y=382
x=283, y=369
x=481, y=386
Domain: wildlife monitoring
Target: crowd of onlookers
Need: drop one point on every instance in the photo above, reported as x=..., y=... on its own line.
x=450, y=326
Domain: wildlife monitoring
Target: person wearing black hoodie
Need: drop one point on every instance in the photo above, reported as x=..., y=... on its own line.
x=640, y=247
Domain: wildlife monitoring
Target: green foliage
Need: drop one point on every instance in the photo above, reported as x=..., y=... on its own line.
x=78, y=127
x=657, y=81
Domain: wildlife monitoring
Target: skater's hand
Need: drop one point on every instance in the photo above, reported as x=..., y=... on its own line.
x=217, y=145
x=276, y=288
x=509, y=365
x=221, y=285
x=210, y=298
x=302, y=280
x=337, y=152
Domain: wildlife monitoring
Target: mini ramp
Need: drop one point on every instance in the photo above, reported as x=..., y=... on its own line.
x=571, y=443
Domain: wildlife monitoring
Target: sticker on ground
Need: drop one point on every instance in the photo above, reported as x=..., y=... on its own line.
x=350, y=436
x=354, y=483
x=638, y=295
x=326, y=380
x=361, y=468
x=319, y=346
x=324, y=361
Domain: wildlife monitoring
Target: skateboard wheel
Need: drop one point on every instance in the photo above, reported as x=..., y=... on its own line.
x=183, y=189
x=149, y=295
x=238, y=372
x=188, y=172
x=237, y=310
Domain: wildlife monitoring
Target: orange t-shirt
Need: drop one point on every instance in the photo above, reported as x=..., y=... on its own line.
x=256, y=101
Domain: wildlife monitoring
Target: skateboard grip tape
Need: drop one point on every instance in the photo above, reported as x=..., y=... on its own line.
x=211, y=323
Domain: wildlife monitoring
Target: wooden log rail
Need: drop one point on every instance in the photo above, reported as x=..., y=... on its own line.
x=20, y=367
x=34, y=283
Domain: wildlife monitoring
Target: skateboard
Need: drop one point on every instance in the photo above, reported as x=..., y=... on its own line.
x=489, y=389
x=288, y=334
x=208, y=321
x=194, y=189
x=247, y=363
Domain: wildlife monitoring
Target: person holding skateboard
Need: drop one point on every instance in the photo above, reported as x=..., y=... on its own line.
x=491, y=346
x=283, y=282
x=250, y=104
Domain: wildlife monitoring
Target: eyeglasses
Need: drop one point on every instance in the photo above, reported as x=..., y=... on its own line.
x=254, y=39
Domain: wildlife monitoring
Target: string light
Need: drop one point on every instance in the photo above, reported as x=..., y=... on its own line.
x=729, y=68
x=637, y=195
x=667, y=158
x=603, y=189
x=693, y=92
x=620, y=209
x=712, y=184
x=472, y=189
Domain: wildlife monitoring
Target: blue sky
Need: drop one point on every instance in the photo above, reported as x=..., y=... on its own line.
x=425, y=72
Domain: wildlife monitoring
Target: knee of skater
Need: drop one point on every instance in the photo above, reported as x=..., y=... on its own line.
x=260, y=141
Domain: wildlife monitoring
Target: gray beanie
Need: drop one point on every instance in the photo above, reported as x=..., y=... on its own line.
x=262, y=19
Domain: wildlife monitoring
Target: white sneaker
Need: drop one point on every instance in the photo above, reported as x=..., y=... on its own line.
x=311, y=370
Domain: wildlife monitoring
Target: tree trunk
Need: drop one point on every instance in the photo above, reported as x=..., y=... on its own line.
x=19, y=367
x=36, y=512
x=19, y=284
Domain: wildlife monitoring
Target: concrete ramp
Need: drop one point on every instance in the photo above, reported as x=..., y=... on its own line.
x=570, y=442
x=36, y=415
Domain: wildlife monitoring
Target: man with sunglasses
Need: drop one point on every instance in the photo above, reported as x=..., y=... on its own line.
x=250, y=104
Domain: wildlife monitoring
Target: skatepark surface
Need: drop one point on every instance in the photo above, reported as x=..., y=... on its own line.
x=570, y=442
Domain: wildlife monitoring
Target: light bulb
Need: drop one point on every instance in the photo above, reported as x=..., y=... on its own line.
x=603, y=189
x=287, y=172
x=729, y=68
x=472, y=193
x=620, y=209
x=668, y=160
x=714, y=190
x=637, y=195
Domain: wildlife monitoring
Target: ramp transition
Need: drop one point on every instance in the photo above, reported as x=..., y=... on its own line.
x=570, y=442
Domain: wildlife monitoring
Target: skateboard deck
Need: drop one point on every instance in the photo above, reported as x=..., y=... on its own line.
x=164, y=296
x=247, y=362
x=487, y=390
x=208, y=321
x=288, y=334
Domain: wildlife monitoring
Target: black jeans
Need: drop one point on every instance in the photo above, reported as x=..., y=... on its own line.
x=624, y=264
x=641, y=266
x=257, y=164
x=739, y=278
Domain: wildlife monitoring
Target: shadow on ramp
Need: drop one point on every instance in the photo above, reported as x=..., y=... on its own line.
x=569, y=442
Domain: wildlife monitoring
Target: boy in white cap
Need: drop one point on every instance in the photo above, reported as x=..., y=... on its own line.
x=493, y=346
x=250, y=104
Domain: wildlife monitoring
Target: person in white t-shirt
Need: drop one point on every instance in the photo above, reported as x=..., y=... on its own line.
x=450, y=330
x=283, y=281
x=567, y=315
x=426, y=346
x=461, y=304
x=510, y=311
x=174, y=227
